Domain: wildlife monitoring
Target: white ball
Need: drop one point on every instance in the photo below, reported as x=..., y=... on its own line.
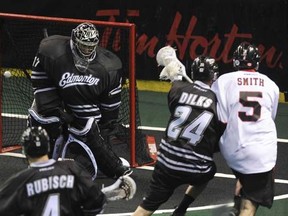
x=7, y=74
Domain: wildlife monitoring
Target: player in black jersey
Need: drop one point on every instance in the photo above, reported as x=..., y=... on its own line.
x=50, y=187
x=75, y=80
x=186, y=151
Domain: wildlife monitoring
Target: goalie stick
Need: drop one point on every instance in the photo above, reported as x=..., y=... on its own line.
x=124, y=188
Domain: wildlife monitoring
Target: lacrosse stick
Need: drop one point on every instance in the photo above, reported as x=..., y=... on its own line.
x=123, y=188
x=173, y=68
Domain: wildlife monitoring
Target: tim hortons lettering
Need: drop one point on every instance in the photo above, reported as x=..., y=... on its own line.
x=188, y=42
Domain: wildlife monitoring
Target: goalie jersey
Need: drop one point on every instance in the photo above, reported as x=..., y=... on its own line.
x=51, y=188
x=191, y=135
x=94, y=93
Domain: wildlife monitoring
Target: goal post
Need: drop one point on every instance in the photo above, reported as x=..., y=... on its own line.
x=20, y=36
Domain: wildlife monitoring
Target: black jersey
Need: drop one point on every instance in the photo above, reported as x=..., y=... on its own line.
x=58, y=84
x=192, y=131
x=55, y=188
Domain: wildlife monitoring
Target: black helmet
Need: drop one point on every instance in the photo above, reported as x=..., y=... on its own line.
x=35, y=142
x=246, y=56
x=204, y=68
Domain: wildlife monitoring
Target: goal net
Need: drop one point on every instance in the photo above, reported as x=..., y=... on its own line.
x=20, y=36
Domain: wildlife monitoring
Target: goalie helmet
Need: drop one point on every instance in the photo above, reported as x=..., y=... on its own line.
x=204, y=68
x=84, y=41
x=246, y=56
x=35, y=142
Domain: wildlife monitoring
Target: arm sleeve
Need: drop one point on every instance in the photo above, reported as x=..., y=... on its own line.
x=47, y=99
x=91, y=196
x=276, y=101
x=10, y=193
x=110, y=100
x=222, y=112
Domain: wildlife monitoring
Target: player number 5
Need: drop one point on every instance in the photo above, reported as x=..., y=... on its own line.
x=252, y=104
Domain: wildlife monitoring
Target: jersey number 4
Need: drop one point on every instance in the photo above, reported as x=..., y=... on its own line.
x=52, y=205
x=194, y=130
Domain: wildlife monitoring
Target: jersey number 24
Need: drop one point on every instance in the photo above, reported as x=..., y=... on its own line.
x=194, y=130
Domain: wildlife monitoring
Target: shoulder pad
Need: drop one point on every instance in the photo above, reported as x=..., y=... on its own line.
x=108, y=59
x=54, y=46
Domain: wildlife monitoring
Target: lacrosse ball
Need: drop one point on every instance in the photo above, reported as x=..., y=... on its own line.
x=7, y=74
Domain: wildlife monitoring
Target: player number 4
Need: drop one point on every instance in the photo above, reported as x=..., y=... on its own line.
x=52, y=205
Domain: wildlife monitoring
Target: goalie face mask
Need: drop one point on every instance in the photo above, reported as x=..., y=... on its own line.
x=204, y=68
x=35, y=142
x=84, y=42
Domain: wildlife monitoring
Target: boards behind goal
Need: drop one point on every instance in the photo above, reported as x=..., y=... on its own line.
x=20, y=36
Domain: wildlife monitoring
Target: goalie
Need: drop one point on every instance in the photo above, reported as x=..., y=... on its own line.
x=50, y=187
x=75, y=80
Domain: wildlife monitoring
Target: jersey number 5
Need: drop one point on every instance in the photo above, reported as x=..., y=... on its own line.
x=194, y=130
x=252, y=104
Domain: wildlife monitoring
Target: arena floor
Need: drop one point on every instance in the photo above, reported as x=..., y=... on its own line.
x=218, y=193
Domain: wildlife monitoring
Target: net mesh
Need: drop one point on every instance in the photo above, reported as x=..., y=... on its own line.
x=19, y=40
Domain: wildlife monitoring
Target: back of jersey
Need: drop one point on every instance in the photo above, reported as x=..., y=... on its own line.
x=51, y=188
x=247, y=102
x=193, y=121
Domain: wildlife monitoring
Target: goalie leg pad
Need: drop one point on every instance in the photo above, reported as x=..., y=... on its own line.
x=107, y=160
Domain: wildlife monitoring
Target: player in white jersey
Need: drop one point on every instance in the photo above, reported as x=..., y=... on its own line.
x=247, y=105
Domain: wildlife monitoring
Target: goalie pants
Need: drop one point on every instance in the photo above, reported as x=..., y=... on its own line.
x=164, y=181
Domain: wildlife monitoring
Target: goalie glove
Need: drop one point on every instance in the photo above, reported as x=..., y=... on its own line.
x=173, y=68
x=123, y=188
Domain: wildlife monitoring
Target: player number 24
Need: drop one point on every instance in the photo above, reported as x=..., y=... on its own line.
x=193, y=131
